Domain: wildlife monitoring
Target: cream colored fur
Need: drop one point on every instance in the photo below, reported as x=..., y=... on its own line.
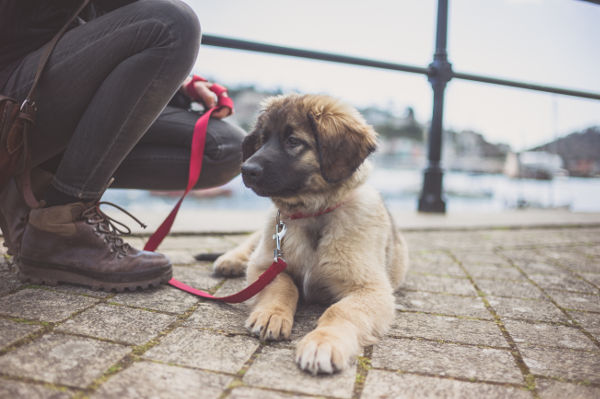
x=355, y=264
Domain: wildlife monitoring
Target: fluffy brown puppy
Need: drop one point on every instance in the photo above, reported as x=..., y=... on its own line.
x=308, y=154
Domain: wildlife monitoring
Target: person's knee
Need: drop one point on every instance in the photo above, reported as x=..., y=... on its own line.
x=182, y=25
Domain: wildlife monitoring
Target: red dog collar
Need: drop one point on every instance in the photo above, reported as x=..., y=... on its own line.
x=300, y=215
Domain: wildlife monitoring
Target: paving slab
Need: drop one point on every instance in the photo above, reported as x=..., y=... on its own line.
x=253, y=393
x=231, y=286
x=549, y=389
x=180, y=256
x=589, y=321
x=511, y=238
x=434, y=262
x=579, y=301
x=581, y=366
x=450, y=360
x=592, y=278
x=446, y=328
x=527, y=334
x=18, y=389
x=198, y=276
x=382, y=384
x=222, y=317
x=12, y=331
x=163, y=381
x=80, y=290
x=543, y=283
x=493, y=272
x=511, y=289
x=533, y=261
x=62, y=359
x=275, y=368
x=472, y=240
x=485, y=258
x=574, y=259
x=529, y=309
x=204, y=349
x=44, y=305
x=458, y=286
x=444, y=304
x=164, y=298
x=118, y=323
x=564, y=283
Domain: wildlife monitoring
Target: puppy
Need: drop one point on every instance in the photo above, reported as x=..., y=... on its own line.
x=308, y=154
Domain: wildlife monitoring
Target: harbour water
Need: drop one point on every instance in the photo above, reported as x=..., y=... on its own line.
x=465, y=192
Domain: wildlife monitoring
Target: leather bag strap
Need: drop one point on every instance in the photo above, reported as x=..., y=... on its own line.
x=49, y=48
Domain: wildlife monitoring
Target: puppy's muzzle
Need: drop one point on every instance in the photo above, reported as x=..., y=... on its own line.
x=252, y=173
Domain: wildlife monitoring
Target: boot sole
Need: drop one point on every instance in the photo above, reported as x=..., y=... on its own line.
x=49, y=275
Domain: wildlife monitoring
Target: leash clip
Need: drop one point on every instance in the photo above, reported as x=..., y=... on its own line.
x=280, y=230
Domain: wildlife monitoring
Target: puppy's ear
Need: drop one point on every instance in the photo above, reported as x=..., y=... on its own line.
x=343, y=140
x=250, y=145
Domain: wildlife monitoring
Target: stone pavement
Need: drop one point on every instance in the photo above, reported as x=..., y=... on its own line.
x=491, y=313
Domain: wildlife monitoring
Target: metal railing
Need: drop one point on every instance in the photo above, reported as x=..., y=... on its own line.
x=439, y=73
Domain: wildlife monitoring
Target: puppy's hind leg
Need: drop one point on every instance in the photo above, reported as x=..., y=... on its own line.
x=235, y=262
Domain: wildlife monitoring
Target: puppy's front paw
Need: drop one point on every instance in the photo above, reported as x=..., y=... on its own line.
x=270, y=324
x=326, y=350
x=230, y=265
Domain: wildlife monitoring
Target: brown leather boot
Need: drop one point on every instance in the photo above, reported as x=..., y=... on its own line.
x=14, y=210
x=78, y=243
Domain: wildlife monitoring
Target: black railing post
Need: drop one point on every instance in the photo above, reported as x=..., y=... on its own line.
x=440, y=72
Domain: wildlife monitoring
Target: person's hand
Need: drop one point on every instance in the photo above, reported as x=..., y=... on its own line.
x=207, y=97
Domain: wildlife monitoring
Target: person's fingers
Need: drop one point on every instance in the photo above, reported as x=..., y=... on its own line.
x=206, y=96
x=222, y=113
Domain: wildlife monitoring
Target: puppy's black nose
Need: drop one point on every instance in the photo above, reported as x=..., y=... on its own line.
x=251, y=171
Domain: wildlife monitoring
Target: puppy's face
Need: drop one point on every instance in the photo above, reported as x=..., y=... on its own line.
x=304, y=144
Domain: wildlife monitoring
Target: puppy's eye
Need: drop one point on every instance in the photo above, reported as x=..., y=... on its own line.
x=293, y=142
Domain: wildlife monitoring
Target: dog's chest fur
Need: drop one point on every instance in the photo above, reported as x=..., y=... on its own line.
x=302, y=255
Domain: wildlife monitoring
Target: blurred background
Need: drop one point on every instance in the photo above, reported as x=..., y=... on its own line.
x=503, y=148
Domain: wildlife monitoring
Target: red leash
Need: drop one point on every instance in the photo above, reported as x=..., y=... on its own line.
x=245, y=294
x=197, y=151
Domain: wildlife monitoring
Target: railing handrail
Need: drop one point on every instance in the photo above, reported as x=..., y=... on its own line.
x=239, y=44
x=439, y=72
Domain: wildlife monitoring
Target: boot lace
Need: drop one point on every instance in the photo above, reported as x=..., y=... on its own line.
x=110, y=229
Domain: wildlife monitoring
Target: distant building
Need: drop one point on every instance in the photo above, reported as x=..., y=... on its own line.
x=533, y=165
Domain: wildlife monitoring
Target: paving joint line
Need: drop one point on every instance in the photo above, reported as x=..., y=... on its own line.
x=54, y=386
x=443, y=341
x=444, y=314
x=126, y=305
x=136, y=353
x=569, y=380
x=457, y=378
x=363, y=365
x=238, y=380
x=574, y=322
x=528, y=376
x=47, y=328
x=575, y=273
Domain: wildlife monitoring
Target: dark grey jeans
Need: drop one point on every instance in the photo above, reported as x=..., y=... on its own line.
x=102, y=98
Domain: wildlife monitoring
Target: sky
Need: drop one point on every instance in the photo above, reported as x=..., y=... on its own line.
x=551, y=42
